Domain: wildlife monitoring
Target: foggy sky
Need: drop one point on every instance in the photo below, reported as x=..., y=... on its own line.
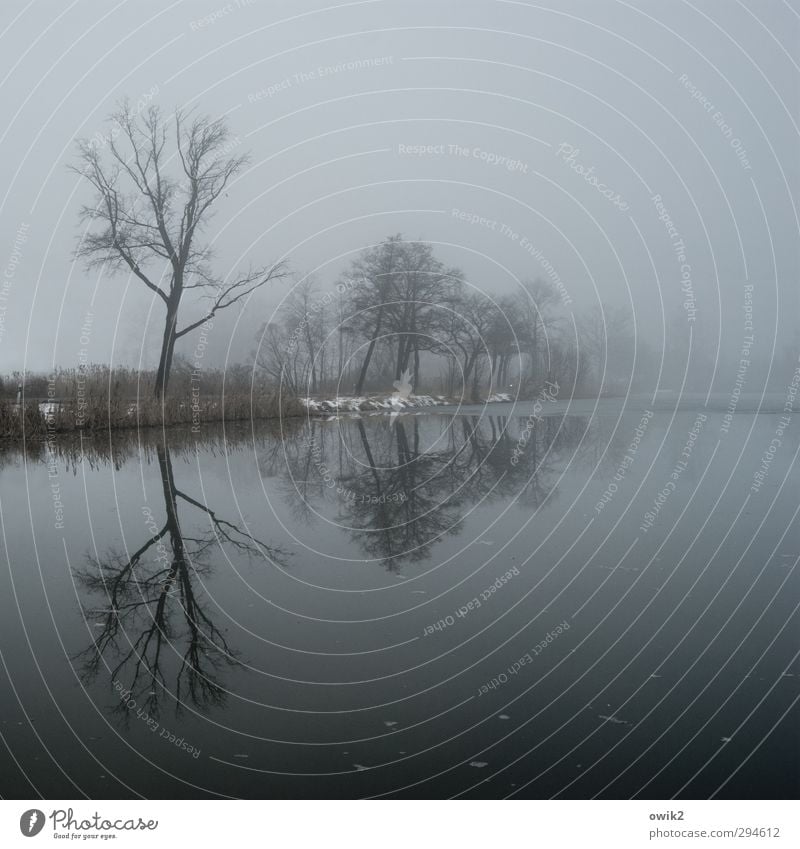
x=694, y=102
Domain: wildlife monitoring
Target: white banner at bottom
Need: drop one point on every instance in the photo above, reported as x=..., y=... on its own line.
x=397, y=824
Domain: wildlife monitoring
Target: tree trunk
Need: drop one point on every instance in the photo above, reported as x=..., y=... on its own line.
x=174, y=529
x=475, y=381
x=408, y=340
x=403, y=452
x=340, y=364
x=403, y=351
x=167, y=350
x=312, y=358
x=401, y=341
x=365, y=365
x=466, y=371
x=168, y=482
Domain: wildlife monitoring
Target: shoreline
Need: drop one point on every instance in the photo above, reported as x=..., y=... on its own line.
x=36, y=425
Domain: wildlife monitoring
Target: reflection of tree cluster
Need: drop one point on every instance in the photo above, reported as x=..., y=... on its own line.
x=415, y=481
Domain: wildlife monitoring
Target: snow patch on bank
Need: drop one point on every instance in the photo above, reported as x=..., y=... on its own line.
x=356, y=404
x=388, y=403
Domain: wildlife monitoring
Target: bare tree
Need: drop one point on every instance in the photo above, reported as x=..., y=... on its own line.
x=606, y=346
x=150, y=208
x=423, y=285
x=472, y=318
x=536, y=320
x=395, y=301
x=294, y=347
x=304, y=315
x=371, y=296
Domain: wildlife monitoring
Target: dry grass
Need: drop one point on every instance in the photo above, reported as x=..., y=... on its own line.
x=95, y=398
x=34, y=421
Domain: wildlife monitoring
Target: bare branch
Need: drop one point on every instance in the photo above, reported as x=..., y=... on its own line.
x=233, y=293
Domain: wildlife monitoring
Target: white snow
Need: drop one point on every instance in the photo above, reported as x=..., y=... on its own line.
x=355, y=404
x=390, y=403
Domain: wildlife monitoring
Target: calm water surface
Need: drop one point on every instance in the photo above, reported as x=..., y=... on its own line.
x=420, y=605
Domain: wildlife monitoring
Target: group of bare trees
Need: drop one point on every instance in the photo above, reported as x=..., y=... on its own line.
x=398, y=312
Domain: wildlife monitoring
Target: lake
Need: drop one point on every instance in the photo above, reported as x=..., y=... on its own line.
x=499, y=601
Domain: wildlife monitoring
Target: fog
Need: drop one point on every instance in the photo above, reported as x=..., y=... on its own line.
x=565, y=143
x=399, y=398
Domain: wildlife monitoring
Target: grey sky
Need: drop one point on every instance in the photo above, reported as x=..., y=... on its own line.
x=695, y=102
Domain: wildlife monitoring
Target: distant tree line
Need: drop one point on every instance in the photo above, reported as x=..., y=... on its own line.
x=398, y=310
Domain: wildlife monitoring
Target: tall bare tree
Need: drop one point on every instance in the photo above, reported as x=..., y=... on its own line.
x=371, y=298
x=536, y=321
x=151, y=207
x=423, y=285
x=396, y=299
x=472, y=318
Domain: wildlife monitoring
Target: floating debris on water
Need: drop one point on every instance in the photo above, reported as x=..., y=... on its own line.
x=613, y=720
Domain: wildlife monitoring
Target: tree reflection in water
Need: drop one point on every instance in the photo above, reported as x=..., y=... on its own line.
x=400, y=486
x=156, y=633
